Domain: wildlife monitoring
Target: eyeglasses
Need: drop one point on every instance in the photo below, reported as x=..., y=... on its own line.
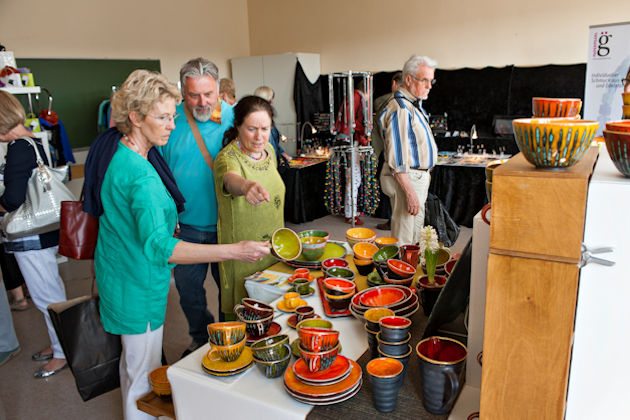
x=625, y=81
x=164, y=119
x=424, y=80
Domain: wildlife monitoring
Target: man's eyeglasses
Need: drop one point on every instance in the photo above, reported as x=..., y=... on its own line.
x=424, y=80
x=164, y=119
x=625, y=81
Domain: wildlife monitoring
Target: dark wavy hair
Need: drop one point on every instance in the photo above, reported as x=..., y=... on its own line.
x=242, y=109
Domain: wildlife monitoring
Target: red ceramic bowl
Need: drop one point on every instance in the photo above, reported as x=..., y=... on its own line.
x=335, y=262
x=383, y=298
x=448, y=267
x=400, y=270
x=318, y=339
x=335, y=284
x=398, y=282
x=321, y=360
x=356, y=300
x=619, y=126
x=337, y=302
x=556, y=107
x=618, y=145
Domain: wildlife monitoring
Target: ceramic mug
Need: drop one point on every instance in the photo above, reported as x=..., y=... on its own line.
x=301, y=273
x=302, y=286
x=303, y=312
x=410, y=254
x=292, y=300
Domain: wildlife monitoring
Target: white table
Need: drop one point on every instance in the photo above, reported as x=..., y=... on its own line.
x=198, y=395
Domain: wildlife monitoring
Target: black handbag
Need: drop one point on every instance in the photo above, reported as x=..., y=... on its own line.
x=436, y=215
x=92, y=353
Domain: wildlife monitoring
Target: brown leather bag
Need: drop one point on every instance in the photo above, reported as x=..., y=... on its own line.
x=78, y=231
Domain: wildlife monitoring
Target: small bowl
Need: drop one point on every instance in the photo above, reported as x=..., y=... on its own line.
x=269, y=348
x=316, y=233
x=159, y=381
x=359, y=234
x=254, y=327
x=364, y=267
x=318, y=339
x=394, y=328
x=382, y=297
x=386, y=253
x=386, y=241
x=225, y=333
x=404, y=358
x=618, y=126
x=372, y=317
x=334, y=262
x=285, y=244
x=255, y=309
x=556, y=107
x=313, y=247
x=444, y=256
x=275, y=368
x=397, y=348
x=315, y=323
x=340, y=272
x=339, y=303
x=399, y=270
x=317, y=361
x=339, y=286
x=448, y=267
x=407, y=282
x=364, y=250
x=227, y=353
x=618, y=146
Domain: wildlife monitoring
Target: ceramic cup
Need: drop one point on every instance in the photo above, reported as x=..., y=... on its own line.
x=226, y=333
x=319, y=360
x=255, y=309
x=386, y=376
x=410, y=254
x=394, y=328
x=442, y=362
x=292, y=300
x=302, y=286
x=395, y=348
x=303, y=312
x=226, y=353
x=301, y=273
x=270, y=348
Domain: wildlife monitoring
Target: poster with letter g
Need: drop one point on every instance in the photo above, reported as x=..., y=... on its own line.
x=608, y=62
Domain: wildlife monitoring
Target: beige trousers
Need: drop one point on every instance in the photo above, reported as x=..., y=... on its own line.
x=405, y=227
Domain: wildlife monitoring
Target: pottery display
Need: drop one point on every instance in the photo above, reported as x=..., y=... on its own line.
x=313, y=247
x=285, y=244
x=386, y=377
x=276, y=367
x=331, y=312
x=394, y=328
x=302, y=286
x=430, y=293
x=269, y=348
x=225, y=333
x=159, y=382
x=553, y=143
x=316, y=323
x=274, y=329
x=556, y=107
x=442, y=362
x=618, y=146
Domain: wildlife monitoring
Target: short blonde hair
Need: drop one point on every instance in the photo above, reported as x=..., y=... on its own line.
x=264, y=92
x=226, y=85
x=140, y=92
x=12, y=112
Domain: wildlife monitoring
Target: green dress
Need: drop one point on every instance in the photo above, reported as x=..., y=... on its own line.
x=240, y=221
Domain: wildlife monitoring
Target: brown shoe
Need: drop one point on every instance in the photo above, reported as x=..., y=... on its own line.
x=384, y=226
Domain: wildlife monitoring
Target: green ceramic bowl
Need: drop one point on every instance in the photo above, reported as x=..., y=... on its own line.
x=275, y=368
x=285, y=244
x=317, y=233
x=386, y=253
x=313, y=247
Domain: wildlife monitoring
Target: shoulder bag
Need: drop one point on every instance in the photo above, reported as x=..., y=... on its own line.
x=78, y=231
x=41, y=209
x=198, y=138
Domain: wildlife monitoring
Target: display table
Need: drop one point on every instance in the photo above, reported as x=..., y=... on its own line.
x=304, y=198
x=199, y=395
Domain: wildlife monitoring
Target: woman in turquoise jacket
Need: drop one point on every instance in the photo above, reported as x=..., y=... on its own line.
x=136, y=246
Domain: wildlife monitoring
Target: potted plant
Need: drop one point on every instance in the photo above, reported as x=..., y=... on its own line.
x=429, y=285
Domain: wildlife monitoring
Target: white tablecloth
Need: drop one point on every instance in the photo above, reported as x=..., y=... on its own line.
x=197, y=395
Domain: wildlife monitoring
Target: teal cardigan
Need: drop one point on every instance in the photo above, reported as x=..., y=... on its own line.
x=135, y=241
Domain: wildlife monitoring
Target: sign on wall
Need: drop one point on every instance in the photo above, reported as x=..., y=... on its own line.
x=608, y=62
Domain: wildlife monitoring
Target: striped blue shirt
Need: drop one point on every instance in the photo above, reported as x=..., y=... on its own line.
x=408, y=141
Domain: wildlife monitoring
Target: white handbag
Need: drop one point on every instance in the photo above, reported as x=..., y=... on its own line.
x=40, y=211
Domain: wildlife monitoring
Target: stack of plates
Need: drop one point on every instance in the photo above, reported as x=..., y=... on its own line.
x=399, y=299
x=219, y=367
x=333, y=250
x=341, y=381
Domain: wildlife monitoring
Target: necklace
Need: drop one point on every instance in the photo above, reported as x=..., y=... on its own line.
x=133, y=146
x=260, y=156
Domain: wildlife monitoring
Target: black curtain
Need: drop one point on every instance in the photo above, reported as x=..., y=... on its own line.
x=309, y=98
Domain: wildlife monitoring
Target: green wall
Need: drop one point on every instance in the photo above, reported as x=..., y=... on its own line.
x=78, y=86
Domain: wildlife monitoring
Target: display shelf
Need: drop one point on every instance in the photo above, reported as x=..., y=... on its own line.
x=21, y=90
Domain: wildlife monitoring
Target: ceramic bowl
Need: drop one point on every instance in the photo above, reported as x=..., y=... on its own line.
x=549, y=143
x=315, y=323
x=318, y=339
x=255, y=309
x=340, y=272
x=313, y=247
x=394, y=328
x=335, y=262
x=228, y=353
x=159, y=382
x=407, y=282
x=364, y=250
x=626, y=98
x=339, y=302
x=364, y=267
x=396, y=348
x=254, y=327
x=618, y=146
x=382, y=297
x=275, y=368
x=285, y=244
x=386, y=253
x=339, y=286
x=619, y=125
x=444, y=256
x=359, y=234
x=399, y=270
x=556, y=107
x=318, y=360
x=269, y=348
x=225, y=333
x=373, y=316
x=316, y=233
x=386, y=241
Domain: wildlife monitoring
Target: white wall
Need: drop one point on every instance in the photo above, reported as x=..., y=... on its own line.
x=158, y=29
x=376, y=35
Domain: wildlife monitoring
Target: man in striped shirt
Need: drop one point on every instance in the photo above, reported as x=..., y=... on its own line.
x=410, y=150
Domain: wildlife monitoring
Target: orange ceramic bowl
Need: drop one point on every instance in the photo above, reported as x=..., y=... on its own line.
x=399, y=270
x=364, y=250
x=383, y=297
x=626, y=98
x=386, y=241
x=359, y=234
x=556, y=107
x=553, y=143
x=618, y=146
x=159, y=382
x=619, y=125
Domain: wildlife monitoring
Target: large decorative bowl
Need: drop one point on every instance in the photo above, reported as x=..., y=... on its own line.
x=619, y=125
x=556, y=107
x=618, y=145
x=553, y=143
x=285, y=244
x=383, y=297
x=313, y=247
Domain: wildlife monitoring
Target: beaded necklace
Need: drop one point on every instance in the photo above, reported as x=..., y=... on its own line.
x=262, y=154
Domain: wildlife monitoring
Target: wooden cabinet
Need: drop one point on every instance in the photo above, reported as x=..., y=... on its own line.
x=531, y=292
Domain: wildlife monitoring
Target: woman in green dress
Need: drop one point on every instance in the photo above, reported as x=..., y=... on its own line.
x=250, y=193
